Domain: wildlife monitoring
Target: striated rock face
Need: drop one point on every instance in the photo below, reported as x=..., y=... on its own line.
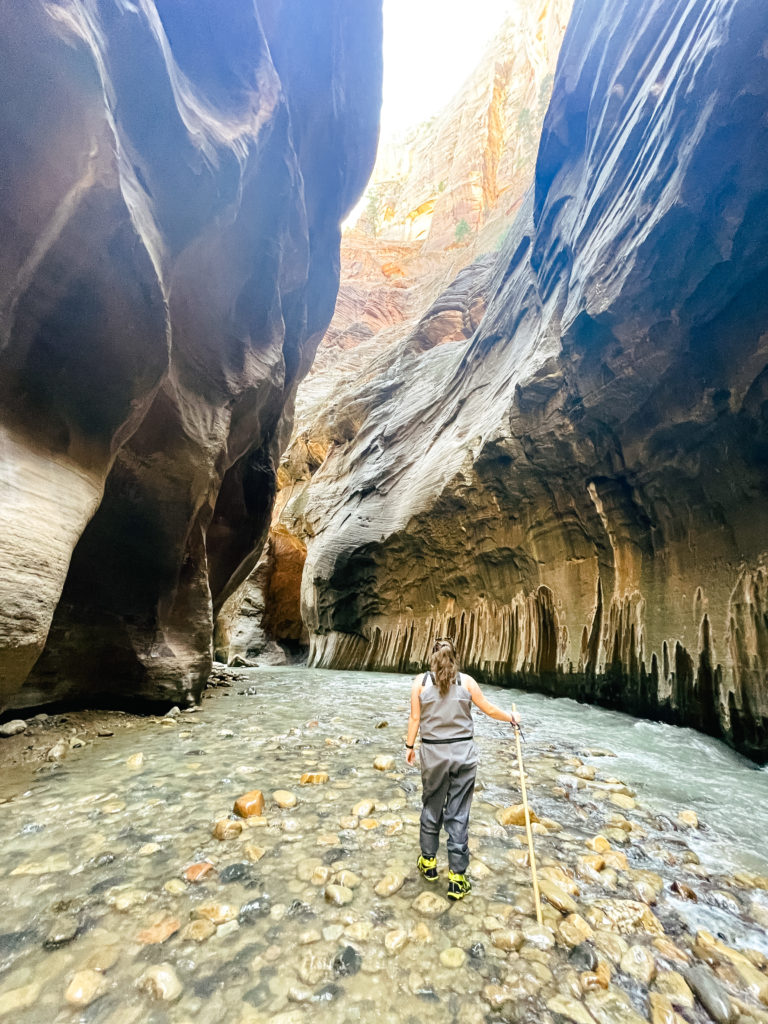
x=474, y=161
x=578, y=493
x=172, y=186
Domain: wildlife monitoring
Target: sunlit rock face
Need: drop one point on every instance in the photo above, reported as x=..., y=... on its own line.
x=262, y=618
x=466, y=169
x=578, y=494
x=173, y=179
x=472, y=163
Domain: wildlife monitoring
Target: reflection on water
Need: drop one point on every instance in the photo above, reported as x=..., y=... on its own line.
x=98, y=921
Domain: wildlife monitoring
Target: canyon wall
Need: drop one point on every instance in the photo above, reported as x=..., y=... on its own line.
x=467, y=168
x=173, y=182
x=578, y=492
x=472, y=162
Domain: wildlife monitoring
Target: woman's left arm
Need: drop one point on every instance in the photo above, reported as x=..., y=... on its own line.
x=413, y=723
x=481, y=701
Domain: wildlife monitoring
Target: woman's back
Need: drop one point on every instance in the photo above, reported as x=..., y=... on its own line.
x=445, y=719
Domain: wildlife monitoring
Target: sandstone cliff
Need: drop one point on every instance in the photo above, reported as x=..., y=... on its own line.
x=458, y=178
x=473, y=162
x=172, y=187
x=578, y=493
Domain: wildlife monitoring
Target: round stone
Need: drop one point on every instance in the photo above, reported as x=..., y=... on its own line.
x=391, y=883
x=227, y=829
x=339, y=895
x=574, y=930
x=84, y=988
x=640, y=963
x=255, y=909
x=429, y=904
x=347, y=878
x=347, y=961
x=453, y=957
x=539, y=936
x=161, y=982
x=13, y=728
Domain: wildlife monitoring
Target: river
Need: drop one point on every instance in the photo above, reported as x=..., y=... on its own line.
x=100, y=923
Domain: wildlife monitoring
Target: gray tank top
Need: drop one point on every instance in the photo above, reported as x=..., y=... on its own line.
x=445, y=719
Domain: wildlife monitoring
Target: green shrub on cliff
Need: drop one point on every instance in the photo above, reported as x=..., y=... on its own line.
x=463, y=231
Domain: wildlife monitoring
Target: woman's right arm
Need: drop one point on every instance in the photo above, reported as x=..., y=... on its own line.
x=484, y=705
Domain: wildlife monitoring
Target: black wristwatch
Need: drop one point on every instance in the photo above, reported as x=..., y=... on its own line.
x=409, y=746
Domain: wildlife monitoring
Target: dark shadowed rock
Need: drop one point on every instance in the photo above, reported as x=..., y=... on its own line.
x=347, y=961
x=583, y=957
x=173, y=184
x=251, y=911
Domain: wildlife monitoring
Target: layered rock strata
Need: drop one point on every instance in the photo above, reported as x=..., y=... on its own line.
x=403, y=254
x=173, y=185
x=578, y=492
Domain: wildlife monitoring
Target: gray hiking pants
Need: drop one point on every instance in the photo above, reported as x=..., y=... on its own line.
x=447, y=783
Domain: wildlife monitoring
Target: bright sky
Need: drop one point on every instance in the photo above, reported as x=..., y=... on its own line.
x=430, y=48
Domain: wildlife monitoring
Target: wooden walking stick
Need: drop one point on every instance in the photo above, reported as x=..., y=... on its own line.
x=536, y=895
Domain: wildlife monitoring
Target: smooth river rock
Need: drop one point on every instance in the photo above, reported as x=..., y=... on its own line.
x=84, y=988
x=161, y=982
x=13, y=728
x=711, y=994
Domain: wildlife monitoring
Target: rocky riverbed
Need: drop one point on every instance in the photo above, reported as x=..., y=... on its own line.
x=132, y=891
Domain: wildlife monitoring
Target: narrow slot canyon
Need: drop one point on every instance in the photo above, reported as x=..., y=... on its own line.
x=336, y=336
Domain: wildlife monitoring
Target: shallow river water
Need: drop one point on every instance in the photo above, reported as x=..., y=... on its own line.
x=102, y=924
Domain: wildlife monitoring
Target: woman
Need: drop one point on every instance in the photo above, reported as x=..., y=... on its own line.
x=441, y=709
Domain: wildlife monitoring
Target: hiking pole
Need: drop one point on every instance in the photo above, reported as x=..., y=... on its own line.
x=536, y=895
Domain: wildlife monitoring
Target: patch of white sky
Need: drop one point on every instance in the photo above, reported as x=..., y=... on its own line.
x=430, y=48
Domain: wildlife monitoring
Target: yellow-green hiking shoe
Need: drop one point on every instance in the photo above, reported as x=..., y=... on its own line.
x=428, y=867
x=458, y=886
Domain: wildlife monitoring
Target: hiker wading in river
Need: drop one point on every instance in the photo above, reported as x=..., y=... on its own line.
x=441, y=710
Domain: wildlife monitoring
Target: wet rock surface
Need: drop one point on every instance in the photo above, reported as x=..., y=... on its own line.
x=336, y=918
